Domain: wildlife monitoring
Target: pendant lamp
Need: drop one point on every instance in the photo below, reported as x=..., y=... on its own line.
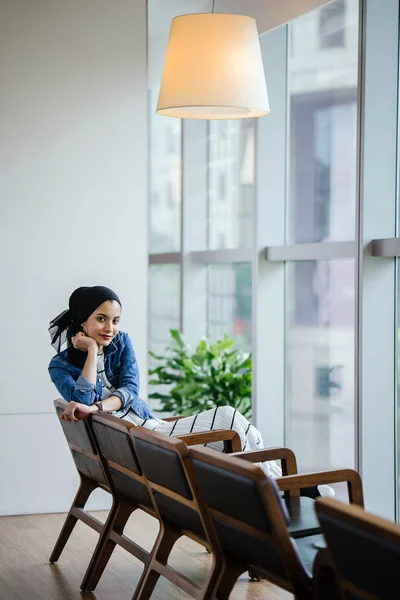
x=213, y=69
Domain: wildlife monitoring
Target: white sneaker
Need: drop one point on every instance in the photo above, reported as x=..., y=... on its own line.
x=326, y=491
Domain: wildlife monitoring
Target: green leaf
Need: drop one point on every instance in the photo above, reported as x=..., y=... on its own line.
x=176, y=335
x=156, y=396
x=153, y=355
x=201, y=347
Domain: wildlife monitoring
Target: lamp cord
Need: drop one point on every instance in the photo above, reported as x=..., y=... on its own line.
x=213, y=6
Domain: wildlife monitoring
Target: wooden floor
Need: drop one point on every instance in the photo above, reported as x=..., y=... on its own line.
x=25, y=574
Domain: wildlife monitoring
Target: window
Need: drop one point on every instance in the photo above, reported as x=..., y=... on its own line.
x=272, y=255
x=321, y=208
x=229, y=302
x=165, y=181
x=320, y=363
x=323, y=150
x=231, y=183
x=164, y=307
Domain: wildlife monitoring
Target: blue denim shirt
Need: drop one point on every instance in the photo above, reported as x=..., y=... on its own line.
x=121, y=370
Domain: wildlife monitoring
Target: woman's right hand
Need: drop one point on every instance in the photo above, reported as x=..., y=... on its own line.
x=81, y=341
x=76, y=411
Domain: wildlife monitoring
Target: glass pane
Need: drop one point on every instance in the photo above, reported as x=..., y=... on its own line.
x=332, y=25
x=164, y=309
x=229, y=302
x=165, y=180
x=165, y=304
x=231, y=183
x=320, y=363
x=323, y=71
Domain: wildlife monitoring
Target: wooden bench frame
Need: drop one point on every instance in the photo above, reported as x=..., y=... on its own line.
x=225, y=569
x=111, y=532
x=298, y=581
x=168, y=535
x=292, y=482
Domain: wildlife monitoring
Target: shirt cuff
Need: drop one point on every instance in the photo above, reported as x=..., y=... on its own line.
x=84, y=385
x=123, y=395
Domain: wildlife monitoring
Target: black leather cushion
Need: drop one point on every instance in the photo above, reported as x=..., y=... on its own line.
x=89, y=467
x=310, y=492
x=250, y=549
x=307, y=550
x=302, y=515
x=116, y=446
x=131, y=489
x=364, y=559
x=77, y=434
x=232, y=494
x=162, y=466
x=179, y=515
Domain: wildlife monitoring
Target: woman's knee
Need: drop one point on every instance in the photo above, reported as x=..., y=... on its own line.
x=226, y=410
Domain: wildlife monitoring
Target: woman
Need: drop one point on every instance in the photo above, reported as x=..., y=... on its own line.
x=98, y=371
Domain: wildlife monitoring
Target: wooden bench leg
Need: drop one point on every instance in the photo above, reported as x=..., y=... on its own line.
x=85, y=489
x=232, y=572
x=218, y=567
x=324, y=581
x=116, y=521
x=165, y=541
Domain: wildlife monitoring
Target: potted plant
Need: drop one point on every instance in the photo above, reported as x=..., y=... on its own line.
x=212, y=374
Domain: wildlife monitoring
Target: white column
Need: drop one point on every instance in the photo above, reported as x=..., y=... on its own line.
x=195, y=225
x=269, y=223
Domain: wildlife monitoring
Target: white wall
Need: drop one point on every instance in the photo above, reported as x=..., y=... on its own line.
x=73, y=211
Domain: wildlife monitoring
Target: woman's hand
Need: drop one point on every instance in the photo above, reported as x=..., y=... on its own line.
x=82, y=342
x=76, y=411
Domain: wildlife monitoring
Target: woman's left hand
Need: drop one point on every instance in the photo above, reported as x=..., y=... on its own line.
x=76, y=411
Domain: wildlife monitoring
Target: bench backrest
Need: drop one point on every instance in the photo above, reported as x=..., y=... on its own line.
x=112, y=436
x=82, y=447
x=249, y=517
x=365, y=549
x=169, y=473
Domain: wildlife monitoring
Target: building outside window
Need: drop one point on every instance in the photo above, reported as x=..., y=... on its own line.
x=332, y=27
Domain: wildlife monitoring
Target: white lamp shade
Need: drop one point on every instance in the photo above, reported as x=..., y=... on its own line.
x=213, y=69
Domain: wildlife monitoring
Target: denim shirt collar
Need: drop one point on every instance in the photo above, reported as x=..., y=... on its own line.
x=111, y=348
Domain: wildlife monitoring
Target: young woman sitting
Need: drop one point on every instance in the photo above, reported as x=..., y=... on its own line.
x=98, y=371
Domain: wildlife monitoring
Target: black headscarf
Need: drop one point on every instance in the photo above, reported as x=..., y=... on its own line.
x=82, y=303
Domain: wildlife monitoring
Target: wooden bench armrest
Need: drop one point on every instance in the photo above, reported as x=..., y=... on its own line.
x=351, y=477
x=285, y=455
x=230, y=438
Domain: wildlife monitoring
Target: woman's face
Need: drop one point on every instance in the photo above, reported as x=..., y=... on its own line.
x=103, y=323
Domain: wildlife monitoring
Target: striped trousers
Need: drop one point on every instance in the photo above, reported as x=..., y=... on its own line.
x=222, y=417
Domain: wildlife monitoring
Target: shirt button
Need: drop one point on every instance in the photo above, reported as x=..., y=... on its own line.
x=98, y=379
